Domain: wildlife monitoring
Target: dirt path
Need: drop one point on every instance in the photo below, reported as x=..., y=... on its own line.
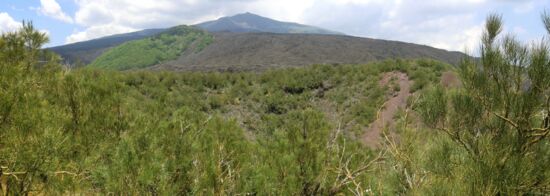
x=372, y=136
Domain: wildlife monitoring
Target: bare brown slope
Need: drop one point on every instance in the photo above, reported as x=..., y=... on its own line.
x=257, y=51
x=385, y=116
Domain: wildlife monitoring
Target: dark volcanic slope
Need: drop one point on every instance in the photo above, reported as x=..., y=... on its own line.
x=85, y=52
x=258, y=51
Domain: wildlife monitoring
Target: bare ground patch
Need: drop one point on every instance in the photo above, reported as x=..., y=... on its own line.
x=449, y=79
x=386, y=114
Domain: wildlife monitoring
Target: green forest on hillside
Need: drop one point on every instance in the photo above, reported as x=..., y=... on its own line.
x=146, y=52
x=292, y=131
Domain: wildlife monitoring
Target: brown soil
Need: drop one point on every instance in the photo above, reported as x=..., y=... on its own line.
x=449, y=79
x=385, y=117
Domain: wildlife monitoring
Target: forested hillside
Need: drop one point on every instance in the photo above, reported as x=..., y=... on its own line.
x=83, y=53
x=164, y=46
x=293, y=131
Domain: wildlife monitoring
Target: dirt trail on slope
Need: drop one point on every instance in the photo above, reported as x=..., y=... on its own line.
x=372, y=136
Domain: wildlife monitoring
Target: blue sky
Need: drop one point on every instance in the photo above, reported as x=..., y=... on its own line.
x=448, y=24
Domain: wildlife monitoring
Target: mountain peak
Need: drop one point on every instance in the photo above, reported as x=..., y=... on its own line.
x=250, y=22
x=247, y=14
x=250, y=18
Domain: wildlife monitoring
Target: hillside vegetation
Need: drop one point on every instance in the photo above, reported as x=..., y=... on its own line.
x=164, y=46
x=287, y=131
x=83, y=53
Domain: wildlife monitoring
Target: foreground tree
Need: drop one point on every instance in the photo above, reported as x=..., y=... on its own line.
x=500, y=117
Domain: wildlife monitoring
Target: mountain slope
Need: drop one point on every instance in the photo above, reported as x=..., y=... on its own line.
x=242, y=42
x=260, y=51
x=85, y=52
x=167, y=45
x=249, y=22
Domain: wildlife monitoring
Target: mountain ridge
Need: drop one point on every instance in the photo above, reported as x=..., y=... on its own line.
x=248, y=22
x=261, y=51
x=251, y=42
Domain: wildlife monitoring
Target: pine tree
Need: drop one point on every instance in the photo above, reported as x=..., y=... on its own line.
x=500, y=116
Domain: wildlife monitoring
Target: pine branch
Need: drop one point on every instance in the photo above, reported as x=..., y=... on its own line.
x=456, y=137
x=512, y=123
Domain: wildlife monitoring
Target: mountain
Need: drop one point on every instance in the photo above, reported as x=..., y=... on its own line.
x=260, y=51
x=85, y=52
x=241, y=42
x=248, y=22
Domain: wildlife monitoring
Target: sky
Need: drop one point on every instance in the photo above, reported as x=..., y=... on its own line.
x=447, y=24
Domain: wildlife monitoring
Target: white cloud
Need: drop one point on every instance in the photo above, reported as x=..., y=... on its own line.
x=453, y=32
x=280, y=10
x=52, y=9
x=7, y=24
x=447, y=24
x=106, y=17
x=97, y=31
x=140, y=14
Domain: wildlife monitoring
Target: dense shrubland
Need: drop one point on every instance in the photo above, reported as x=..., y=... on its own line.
x=281, y=132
